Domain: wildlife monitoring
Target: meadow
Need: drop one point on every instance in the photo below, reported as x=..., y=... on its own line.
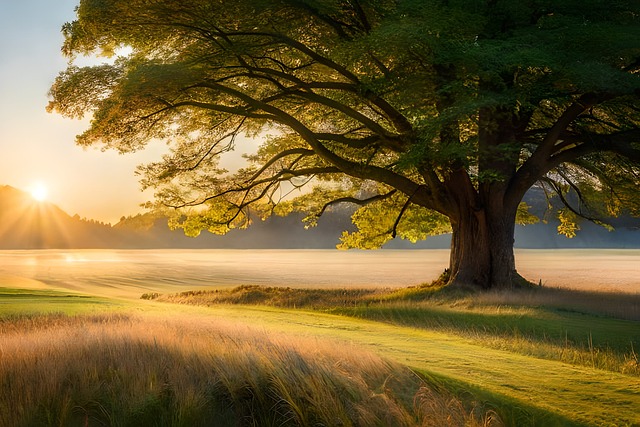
x=311, y=355
x=128, y=365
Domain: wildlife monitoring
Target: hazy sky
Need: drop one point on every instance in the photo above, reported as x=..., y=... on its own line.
x=38, y=146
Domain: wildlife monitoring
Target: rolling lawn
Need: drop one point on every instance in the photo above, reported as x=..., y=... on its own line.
x=485, y=354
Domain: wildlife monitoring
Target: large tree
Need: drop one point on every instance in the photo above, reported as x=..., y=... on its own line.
x=430, y=115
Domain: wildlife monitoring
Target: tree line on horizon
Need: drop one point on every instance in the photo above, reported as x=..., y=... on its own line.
x=29, y=225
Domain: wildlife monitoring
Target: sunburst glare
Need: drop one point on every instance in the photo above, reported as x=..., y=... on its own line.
x=39, y=191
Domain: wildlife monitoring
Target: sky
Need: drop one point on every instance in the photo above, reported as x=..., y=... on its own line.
x=38, y=148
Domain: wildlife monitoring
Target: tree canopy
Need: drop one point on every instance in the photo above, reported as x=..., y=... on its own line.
x=431, y=116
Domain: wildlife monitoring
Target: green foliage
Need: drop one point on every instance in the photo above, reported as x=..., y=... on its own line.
x=378, y=221
x=457, y=106
x=218, y=218
x=568, y=223
x=524, y=217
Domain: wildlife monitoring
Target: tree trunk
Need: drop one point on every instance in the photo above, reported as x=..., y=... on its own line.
x=483, y=215
x=482, y=251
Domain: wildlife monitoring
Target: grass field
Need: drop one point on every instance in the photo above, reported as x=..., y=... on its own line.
x=190, y=367
x=281, y=356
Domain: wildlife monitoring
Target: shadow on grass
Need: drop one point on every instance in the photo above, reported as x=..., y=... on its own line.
x=512, y=412
x=568, y=328
x=539, y=314
x=586, y=328
x=134, y=371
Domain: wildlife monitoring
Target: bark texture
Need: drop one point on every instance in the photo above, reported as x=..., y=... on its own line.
x=482, y=250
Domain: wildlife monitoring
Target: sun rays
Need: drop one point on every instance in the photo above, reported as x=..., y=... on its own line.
x=39, y=191
x=32, y=222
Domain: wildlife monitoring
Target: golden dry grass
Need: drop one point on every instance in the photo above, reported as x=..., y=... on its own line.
x=87, y=388
x=58, y=370
x=578, y=327
x=619, y=305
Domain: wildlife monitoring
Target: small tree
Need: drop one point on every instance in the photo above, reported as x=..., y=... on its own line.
x=430, y=115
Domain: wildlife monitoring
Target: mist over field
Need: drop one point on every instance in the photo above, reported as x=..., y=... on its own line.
x=129, y=273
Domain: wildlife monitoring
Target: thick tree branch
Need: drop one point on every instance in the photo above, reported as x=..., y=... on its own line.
x=619, y=143
x=540, y=162
x=335, y=105
x=393, y=144
x=281, y=176
x=360, y=202
x=393, y=115
x=352, y=113
x=300, y=47
x=358, y=170
x=242, y=112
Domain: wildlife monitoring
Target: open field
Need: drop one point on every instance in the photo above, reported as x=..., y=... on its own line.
x=546, y=357
x=118, y=369
x=522, y=389
x=130, y=273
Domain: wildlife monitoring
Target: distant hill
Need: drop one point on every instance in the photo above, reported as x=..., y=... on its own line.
x=28, y=224
x=273, y=233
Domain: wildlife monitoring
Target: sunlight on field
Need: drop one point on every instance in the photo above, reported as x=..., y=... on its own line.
x=498, y=360
x=557, y=387
x=190, y=371
x=130, y=273
x=585, y=269
x=8, y=281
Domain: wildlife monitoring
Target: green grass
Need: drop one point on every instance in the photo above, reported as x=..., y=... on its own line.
x=539, y=322
x=526, y=390
x=533, y=347
x=534, y=364
x=571, y=337
x=25, y=301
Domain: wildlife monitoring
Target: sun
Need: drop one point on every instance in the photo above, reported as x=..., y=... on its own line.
x=39, y=191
